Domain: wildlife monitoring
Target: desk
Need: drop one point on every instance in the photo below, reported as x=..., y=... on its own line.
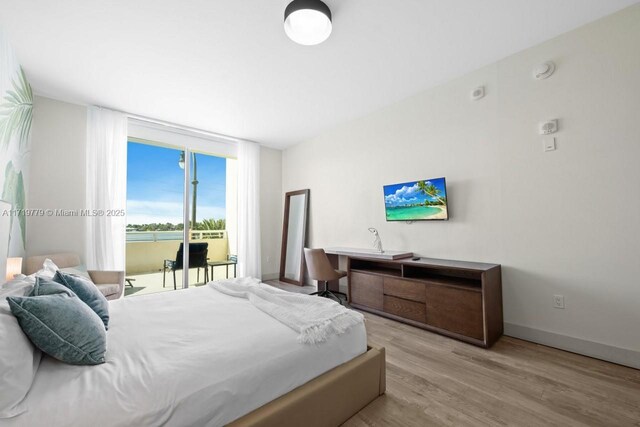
x=334, y=253
x=226, y=263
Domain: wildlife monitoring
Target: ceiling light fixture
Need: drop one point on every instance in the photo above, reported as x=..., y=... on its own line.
x=307, y=22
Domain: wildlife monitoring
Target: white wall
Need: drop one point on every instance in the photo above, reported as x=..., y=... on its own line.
x=15, y=149
x=58, y=177
x=563, y=222
x=58, y=181
x=271, y=208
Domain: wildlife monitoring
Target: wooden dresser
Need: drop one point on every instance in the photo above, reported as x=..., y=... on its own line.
x=459, y=299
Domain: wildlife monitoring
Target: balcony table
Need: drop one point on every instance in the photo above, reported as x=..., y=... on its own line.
x=226, y=263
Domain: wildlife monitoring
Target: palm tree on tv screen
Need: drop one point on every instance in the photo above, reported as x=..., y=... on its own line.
x=430, y=190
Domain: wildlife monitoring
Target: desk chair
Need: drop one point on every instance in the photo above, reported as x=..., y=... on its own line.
x=320, y=269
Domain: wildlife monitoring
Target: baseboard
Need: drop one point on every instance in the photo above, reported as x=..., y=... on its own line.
x=621, y=356
x=270, y=276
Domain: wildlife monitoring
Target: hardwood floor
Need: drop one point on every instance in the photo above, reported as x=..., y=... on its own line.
x=434, y=380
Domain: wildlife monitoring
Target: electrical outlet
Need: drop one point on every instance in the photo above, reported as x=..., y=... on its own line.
x=558, y=301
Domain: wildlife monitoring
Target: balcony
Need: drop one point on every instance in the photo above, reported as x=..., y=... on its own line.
x=146, y=252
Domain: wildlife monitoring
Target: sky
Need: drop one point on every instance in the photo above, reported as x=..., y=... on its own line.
x=408, y=193
x=155, y=185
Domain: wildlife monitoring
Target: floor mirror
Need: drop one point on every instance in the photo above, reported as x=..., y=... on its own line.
x=294, y=234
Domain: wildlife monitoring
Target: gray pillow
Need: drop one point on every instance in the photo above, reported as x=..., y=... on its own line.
x=46, y=286
x=87, y=292
x=62, y=326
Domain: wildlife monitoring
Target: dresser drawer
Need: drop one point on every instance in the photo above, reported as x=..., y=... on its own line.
x=407, y=309
x=366, y=289
x=405, y=289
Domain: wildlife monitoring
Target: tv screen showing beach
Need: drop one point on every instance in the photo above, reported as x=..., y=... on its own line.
x=416, y=201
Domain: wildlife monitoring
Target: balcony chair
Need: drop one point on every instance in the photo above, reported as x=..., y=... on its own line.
x=109, y=283
x=197, y=259
x=321, y=270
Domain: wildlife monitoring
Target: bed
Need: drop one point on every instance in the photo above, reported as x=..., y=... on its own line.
x=198, y=357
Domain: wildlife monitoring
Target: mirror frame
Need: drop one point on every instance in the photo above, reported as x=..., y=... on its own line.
x=285, y=235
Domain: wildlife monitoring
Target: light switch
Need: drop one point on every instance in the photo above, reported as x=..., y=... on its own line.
x=549, y=144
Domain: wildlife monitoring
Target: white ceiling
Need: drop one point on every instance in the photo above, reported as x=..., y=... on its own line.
x=226, y=66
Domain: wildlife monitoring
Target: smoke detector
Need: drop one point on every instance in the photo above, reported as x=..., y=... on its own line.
x=544, y=70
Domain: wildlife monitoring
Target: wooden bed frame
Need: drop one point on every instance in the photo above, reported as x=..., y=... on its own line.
x=328, y=400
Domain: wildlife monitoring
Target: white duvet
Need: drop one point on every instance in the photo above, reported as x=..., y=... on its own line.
x=194, y=357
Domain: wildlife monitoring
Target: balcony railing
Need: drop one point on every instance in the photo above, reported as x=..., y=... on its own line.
x=147, y=250
x=155, y=236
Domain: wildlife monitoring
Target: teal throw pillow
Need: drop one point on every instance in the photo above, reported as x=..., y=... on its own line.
x=87, y=292
x=44, y=286
x=62, y=326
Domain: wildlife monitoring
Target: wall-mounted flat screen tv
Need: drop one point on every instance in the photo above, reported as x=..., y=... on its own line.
x=416, y=201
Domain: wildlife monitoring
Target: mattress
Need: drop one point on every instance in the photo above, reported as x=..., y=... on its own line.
x=188, y=357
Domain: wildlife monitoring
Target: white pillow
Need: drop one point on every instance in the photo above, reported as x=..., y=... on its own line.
x=18, y=287
x=19, y=361
x=47, y=271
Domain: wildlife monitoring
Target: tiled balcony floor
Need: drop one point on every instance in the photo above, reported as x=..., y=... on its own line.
x=152, y=282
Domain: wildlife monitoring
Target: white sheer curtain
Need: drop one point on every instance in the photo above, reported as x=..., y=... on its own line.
x=106, y=191
x=249, y=262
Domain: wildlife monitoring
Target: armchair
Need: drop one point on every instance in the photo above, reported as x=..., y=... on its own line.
x=109, y=283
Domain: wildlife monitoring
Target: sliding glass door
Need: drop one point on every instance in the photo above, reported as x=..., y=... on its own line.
x=211, y=213
x=174, y=196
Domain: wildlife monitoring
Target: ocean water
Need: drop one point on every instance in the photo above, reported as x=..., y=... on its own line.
x=410, y=213
x=148, y=236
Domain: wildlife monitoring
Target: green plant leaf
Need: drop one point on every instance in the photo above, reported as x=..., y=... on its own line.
x=16, y=112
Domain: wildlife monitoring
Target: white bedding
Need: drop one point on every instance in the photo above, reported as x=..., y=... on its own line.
x=315, y=319
x=194, y=357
